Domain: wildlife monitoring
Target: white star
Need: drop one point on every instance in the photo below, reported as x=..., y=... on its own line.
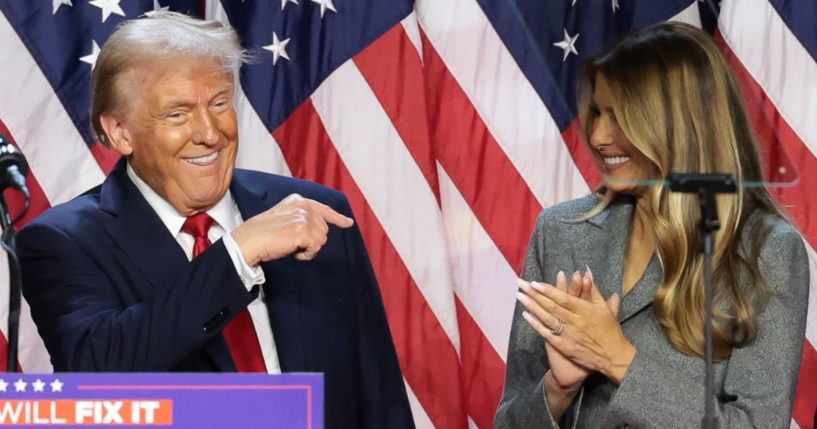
x=108, y=7
x=568, y=44
x=278, y=48
x=284, y=3
x=20, y=385
x=58, y=3
x=91, y=58
x=615, y=6
x=157, y=6
x=3, y=386
x=325, y=4
x=39, y=385
x=56, y=385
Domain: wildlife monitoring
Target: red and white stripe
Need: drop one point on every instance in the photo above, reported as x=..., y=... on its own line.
x=779, y=79
x=62, y=167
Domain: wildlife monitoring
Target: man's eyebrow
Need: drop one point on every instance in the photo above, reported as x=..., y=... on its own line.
x=176, y=104
x=181, y=102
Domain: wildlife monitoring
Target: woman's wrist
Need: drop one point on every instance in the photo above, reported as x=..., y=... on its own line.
x=558, y=397
x=558, y=389
x=620, y=363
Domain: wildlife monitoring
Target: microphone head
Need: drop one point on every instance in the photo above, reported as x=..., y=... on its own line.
x=10, y=155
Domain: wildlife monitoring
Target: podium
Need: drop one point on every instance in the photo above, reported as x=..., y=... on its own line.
x=168, y=400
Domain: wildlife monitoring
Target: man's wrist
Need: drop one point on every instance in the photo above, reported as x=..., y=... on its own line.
x=240, y=239
x=249, y=275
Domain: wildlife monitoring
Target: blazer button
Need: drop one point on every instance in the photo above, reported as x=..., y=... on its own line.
x=215, y=321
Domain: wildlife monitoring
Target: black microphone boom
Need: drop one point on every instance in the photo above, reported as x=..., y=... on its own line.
x=13, y=167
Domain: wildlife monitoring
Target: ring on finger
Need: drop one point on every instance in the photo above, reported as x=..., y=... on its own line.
x=559, y=329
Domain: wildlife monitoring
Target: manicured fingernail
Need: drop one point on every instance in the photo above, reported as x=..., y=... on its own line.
x=522, y=298
x=522, y=283
x=538, y=286
x=615, y=295
x=588, y=273
x=561, y=274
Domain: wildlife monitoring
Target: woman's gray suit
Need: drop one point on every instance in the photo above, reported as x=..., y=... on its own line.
x=663, y=388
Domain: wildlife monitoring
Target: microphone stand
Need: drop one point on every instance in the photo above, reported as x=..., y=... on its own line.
x=707, y=186
x=15, y=279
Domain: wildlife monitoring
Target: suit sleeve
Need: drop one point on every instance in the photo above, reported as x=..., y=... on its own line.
x=82, y=318
x=383, y=399
x=762, y=375
x=523, y=402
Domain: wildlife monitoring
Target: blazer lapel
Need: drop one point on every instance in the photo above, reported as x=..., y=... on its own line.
x=607, y=246
x=643, y=293
x=607, y=251
x=286, y=319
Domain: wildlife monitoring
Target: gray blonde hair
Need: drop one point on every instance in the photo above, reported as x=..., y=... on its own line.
x=156, y=36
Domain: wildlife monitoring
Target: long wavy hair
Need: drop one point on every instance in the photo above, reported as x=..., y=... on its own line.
x=676, y=100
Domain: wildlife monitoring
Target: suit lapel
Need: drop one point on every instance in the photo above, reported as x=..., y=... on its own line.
x=142, y=236
x=287, y=320
x=138, y=231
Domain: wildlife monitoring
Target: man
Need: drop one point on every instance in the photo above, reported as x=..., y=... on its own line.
x=178, y=262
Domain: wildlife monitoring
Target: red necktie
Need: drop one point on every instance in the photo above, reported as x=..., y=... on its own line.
x=240, y=332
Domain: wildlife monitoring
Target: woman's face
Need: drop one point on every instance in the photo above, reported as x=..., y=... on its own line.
x=621, y=163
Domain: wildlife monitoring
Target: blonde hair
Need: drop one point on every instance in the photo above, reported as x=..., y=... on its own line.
x=157, y=36
x=676, y=100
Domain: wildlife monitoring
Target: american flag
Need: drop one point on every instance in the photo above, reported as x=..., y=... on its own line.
x=449, y=124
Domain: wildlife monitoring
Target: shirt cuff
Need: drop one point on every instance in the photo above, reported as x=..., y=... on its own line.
x=250, y=276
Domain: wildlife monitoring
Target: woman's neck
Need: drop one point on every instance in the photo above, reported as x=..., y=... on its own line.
x=643, y=223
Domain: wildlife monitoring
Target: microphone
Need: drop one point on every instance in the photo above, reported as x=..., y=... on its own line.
x=13, y=167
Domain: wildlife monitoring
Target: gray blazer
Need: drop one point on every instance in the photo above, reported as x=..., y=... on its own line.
x=663, y=388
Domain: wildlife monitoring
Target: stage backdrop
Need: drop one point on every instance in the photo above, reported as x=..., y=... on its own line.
x=442, y=122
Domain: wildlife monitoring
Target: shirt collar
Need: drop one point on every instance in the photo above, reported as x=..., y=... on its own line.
x=222, y=212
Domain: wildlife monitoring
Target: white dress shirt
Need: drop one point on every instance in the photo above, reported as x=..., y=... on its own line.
x=227, y=218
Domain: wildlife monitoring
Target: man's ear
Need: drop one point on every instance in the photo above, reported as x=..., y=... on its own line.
x=118, y=135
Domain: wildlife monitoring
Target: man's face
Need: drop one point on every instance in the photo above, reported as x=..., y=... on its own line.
x=180, y=131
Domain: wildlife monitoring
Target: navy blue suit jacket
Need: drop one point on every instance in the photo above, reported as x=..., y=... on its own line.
x=111, y=290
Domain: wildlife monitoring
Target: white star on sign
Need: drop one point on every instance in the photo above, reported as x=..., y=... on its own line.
x=3, y=386
x=39, y=385
x=278, y=48
x=58, y=3
x=91, y=58
x=157, y=6
x=56, y=385
x=568, y=45
x=325, y=4
x=108, y=7
x=284, y=3
x=20, y=385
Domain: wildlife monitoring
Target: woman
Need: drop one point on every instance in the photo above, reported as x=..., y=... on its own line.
x=661, y=100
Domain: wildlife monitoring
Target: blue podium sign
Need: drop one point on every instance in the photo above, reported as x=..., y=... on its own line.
x=172, y=400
